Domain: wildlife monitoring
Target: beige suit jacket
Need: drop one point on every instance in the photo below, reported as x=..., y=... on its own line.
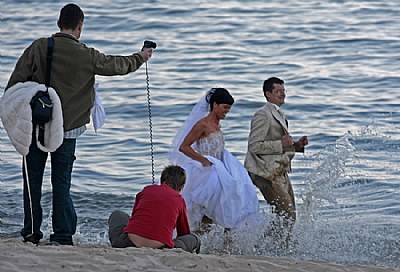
x=265, y=155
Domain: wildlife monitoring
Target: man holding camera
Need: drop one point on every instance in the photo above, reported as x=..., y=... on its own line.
x=74, y=66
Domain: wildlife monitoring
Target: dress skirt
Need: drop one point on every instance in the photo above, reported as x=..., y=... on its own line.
x=223, y=192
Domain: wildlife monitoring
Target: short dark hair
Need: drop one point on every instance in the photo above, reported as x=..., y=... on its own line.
x=174, y=176
x=219, y=96
x=70, y=16
x=268, y=85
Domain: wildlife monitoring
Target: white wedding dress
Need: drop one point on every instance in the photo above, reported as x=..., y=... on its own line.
x=224, y=191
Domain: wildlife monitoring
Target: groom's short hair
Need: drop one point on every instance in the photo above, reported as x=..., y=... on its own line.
x=268, y=85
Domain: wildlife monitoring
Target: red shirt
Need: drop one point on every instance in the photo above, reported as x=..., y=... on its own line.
x=158, y=210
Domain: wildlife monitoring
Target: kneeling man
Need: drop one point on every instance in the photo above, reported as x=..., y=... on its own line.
x=157, y=211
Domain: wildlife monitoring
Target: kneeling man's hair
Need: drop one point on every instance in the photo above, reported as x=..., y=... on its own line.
x=174, y=176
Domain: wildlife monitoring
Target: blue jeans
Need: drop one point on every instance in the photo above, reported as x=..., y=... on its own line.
x=64, y=218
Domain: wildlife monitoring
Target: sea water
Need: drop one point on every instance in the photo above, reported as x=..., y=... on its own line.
x=340, y=63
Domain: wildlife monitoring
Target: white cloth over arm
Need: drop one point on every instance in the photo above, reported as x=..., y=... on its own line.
x=16, y=115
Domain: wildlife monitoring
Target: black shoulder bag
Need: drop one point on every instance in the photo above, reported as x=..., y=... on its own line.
x=41, y=104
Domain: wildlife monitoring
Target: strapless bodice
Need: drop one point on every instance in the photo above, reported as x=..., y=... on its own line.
x=212, y=145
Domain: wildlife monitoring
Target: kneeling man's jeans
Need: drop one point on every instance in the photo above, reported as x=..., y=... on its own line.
x=119, y=220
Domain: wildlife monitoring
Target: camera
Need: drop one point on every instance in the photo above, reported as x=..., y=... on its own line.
x=149, y=44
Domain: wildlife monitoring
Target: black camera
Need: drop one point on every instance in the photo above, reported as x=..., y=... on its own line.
x=149, y=44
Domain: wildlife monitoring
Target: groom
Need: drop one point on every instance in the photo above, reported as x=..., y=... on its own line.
x=271, y=150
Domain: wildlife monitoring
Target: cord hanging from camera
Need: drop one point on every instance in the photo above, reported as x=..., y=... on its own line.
x=150, y=125
x=147, y=45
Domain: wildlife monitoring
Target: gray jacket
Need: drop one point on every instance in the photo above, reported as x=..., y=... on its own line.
x=265, y=155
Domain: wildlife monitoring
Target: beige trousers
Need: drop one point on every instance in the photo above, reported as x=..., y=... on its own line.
x=278, y=193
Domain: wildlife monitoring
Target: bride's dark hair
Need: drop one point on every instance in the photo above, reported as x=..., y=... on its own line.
x=219, y=96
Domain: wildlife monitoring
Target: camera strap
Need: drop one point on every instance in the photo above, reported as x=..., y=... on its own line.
x=50, y=45
x=150, y=125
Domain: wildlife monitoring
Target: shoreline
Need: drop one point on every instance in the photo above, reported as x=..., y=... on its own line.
x=18, y=256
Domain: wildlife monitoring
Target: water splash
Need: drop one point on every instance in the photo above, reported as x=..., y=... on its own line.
x=331, y=166
x=333, y=219
x=249, y=238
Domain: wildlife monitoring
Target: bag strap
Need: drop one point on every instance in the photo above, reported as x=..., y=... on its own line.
x=50, y=45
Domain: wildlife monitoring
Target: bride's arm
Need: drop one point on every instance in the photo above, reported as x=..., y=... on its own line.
x=186, y=147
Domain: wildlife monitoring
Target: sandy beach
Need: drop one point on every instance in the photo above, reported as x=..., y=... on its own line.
x=18, y=256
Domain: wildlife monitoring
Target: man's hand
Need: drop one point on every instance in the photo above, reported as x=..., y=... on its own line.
x=287, y=141
x=303, y=141
x=146, y=54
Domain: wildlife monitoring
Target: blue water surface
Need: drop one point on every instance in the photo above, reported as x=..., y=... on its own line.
x=341, y=66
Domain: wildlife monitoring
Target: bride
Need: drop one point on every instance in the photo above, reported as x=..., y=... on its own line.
x=218, y=189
